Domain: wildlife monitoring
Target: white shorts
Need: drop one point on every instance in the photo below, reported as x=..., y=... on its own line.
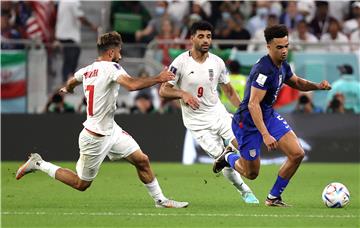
x=94, y=149
x=213, y=139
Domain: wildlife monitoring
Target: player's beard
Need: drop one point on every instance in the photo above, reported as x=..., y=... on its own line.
x=202, y=49
x=115, y=60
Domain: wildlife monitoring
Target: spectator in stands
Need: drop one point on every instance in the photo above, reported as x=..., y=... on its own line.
x=196, y=8
x=352, y=24
x=143, y=104
x=68, y=32
x=291, y=17
x=335, y=36
x=259, y=21
x=222, y=21
x=301, y=34
x=306, y=105
x=355, y=38
x=8, y=31
x=259, y=35
x=166, y=33
x=234, y=30
x=339, y=9
x=196, y=14
x=153, y=28
x=238, y=81
x=320, y=24
x=129, y=7
x=178, y=11
x=336, y=105
x=57, y=104
x=306, y=9
x=349, y=86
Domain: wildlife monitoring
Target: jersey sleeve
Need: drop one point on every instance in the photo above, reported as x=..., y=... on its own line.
x=115, y=71
x=79, y=75
x=261, y=75
x=224, y=73
x=175, y=68
x=261, y=81
x=288, y=72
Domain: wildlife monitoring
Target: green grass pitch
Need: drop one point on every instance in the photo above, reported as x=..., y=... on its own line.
x=118, y=199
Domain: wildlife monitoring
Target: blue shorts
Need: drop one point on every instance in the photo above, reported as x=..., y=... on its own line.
x=248, y=136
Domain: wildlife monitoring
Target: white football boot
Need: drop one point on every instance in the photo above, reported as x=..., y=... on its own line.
x=31, y=165
x=168, y=203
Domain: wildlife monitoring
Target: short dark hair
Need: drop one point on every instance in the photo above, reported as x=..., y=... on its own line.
x=345, y=69
x=108, y=40
x=275, y=31
x=201, y=25
x=234, y=66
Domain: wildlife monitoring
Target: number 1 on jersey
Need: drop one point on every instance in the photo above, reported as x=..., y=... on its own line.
x=200, y=92
x=90, y=104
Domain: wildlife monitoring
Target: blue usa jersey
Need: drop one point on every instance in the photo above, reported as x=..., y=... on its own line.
x=266, y=76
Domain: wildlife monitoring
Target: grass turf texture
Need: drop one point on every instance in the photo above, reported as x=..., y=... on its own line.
x=118, y=199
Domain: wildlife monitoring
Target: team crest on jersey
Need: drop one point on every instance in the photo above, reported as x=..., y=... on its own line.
x=211, y=74
x=252, y=153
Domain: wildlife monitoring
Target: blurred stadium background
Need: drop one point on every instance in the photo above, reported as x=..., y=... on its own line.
x=324, y=44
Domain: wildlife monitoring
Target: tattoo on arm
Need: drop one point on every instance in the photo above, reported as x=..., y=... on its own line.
x=302, y=84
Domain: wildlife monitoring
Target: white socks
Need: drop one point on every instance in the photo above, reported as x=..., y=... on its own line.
x=235, y=178
x=155, y=190
x=48, y=168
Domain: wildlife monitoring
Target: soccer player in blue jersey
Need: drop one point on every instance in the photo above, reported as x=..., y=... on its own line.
x=256, y=121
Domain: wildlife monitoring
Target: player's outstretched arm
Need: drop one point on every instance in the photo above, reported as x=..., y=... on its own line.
x=167, y=90
x=70, y=85
x=138, y=83
x=305, y=85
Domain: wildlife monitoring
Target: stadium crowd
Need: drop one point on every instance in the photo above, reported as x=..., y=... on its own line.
x=308, y=21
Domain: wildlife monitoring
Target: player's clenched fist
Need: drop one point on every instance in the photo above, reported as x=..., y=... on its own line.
x=324, y=85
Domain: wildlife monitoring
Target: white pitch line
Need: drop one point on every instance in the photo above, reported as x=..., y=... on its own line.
x=176, y=214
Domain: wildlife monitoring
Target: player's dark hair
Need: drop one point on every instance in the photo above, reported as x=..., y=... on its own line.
x=108, y=40
x=275, y=31
x=201, y=25
x=304, y=99
x=234, y=67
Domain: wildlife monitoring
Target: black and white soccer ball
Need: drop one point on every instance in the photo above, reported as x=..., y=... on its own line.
x=336, y=195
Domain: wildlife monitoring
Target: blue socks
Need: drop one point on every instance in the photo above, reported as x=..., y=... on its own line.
x=279, y=187
x=231, y=158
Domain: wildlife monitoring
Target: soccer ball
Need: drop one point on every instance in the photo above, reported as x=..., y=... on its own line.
x=336, y=195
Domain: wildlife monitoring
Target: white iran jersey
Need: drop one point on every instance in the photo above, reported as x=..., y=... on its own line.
x=101, y=91
x=201, y=81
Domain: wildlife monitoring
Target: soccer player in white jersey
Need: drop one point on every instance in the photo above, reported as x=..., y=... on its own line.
x=197, y=75
x=101, y=135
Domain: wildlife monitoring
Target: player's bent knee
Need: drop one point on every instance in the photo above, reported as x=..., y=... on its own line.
x=143, y=161
x=252, y=175
x=298, y=156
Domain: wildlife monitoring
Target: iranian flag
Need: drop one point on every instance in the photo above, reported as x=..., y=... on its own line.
x=13, y=74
